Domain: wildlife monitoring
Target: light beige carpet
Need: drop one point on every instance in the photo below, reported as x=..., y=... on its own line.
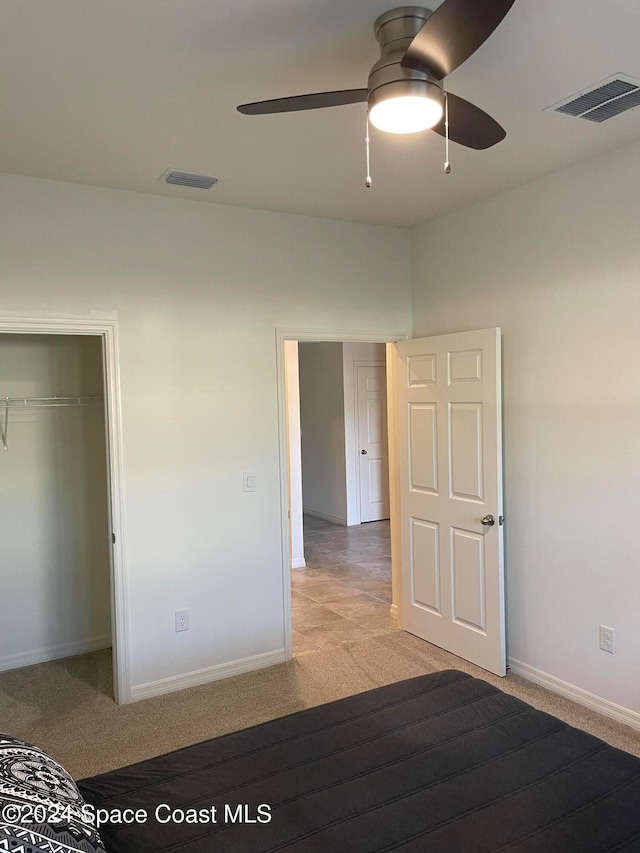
x=65, y=707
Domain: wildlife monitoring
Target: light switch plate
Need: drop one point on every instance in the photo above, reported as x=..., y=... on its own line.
x=249, y=481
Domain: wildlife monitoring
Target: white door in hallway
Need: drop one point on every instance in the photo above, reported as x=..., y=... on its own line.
x=450, y=449
x=372, y=441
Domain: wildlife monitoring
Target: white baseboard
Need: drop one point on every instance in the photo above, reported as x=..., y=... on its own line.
x=394, y=612
x=316, y=513
x=204, y=676
x=66, y=650
x=577, y=694
x=300, y=563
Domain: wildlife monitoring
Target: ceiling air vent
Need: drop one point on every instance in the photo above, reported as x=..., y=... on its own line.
x=607, y=99
x=189, y=179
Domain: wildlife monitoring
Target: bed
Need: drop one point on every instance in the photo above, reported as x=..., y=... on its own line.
x=442, y=762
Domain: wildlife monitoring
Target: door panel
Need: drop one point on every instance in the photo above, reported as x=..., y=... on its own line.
x=372, y=441
x=421, y=370
x=425, y=565
x=375, y=478
x=423, y=447
x=450, y=447
x=465, y=451
x=465, y=366
x=375, y=419
x=468, y=579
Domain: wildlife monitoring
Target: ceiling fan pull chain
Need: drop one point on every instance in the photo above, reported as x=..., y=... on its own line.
x=447, y=164
x=368, y=182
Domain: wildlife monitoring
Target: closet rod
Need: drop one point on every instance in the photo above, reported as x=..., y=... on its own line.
x=40, y=402
x=37, y=403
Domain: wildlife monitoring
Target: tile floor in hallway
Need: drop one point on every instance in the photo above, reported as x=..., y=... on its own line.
x=344, y=593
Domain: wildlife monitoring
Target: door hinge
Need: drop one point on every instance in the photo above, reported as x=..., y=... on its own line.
x=113, y=538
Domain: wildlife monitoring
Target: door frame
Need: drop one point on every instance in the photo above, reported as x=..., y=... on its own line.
x=107, y=331
x=305, y=335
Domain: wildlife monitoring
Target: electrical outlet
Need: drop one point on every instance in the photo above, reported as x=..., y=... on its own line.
x=607, y=639
x=182, y=620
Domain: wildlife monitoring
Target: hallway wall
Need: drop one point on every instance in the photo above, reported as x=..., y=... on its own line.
x=322, y=429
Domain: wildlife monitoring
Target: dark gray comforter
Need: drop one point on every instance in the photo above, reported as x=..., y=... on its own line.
x=443, y=762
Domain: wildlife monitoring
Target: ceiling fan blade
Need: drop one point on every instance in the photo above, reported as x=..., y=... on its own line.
x=305, y=102
x=454, y=31
x=470, y=126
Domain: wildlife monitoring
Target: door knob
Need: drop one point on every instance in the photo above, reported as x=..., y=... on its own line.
x=489, y=520
x=364, y=452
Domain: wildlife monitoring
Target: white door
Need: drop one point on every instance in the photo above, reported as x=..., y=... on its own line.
x=450, y=448
x=372, y=441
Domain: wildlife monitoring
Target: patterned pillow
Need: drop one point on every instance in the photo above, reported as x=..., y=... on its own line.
x=41, y=810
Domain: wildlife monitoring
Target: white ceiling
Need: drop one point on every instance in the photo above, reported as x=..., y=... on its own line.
x=115, y=92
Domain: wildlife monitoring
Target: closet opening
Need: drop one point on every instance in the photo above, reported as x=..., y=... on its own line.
x=57, y=530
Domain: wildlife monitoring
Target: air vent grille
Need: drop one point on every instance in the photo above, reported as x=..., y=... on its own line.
x=608, y=99
x=188, y=179
x=615, y=107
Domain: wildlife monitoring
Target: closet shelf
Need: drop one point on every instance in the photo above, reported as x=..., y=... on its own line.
x=21, y=402
x=37, y=403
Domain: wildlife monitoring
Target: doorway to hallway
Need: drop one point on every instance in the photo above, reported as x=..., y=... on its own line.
x=344, y=593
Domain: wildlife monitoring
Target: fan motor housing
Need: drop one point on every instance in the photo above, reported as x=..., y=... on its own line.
x=394, y=32
x=399, y=25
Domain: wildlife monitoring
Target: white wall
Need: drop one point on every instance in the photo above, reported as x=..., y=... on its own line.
x=556, y=264
x=323, y=435
x=198, y=291
x=352, y=354
x=54, y=528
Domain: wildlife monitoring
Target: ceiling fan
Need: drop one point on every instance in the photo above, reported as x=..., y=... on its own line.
x=405, y=94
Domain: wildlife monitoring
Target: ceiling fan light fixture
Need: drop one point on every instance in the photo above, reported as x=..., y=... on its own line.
x=401, y=108
x=406, y=114
x=419, y=48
